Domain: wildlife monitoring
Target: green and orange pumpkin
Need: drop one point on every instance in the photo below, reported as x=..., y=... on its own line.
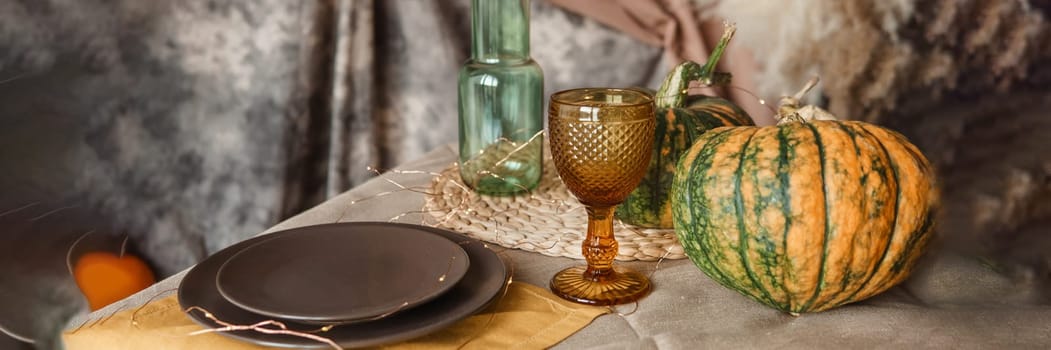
x=806, y=215
x=681, y=118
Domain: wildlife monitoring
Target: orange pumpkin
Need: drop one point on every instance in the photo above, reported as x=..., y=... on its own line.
x=806, y=215
x=105, y=277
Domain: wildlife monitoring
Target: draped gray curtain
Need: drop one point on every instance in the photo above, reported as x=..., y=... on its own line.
x=191, y=125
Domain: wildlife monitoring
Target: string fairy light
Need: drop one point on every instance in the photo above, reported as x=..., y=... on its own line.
x=503, y=294
x=15, y=210
x=465, y=211
x=613, y=309
x=497, y=147
x=69, y=252
x=266, y=327
x=134, y=314
x=713, y=83
x=462, y=199
x=18, y=337
x=14, y=77
x=545, y=213
x=52, y=211
x=278, y=327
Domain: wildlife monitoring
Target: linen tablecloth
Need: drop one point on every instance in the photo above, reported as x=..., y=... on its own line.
x=950, y=302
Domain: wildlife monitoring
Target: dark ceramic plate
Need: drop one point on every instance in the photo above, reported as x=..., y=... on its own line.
x=485, y=279
x=342, y=273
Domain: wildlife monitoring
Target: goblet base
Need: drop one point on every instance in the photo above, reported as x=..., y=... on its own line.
x=620, y=286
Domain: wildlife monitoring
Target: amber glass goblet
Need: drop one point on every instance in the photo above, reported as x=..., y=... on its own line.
x=601, y=140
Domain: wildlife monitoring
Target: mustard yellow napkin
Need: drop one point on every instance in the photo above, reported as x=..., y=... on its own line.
x=526, y=317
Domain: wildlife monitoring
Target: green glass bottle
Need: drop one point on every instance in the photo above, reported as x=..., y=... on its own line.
x=500, y=102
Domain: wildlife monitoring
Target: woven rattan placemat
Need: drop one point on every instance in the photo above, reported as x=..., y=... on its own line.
x=548, y=220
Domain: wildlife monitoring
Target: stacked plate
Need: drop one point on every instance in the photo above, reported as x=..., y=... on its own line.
x=377, y=283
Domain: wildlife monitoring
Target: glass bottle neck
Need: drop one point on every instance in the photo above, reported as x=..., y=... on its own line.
x=499, y=31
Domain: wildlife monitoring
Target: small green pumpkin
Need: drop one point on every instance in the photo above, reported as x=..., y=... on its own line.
x=680, y=119
x=806, y=215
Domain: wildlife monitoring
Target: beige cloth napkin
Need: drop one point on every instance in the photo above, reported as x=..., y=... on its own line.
x=527, y=317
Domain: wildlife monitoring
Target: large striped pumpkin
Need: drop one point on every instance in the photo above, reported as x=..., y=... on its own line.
x=681, y=118
x=805, y=215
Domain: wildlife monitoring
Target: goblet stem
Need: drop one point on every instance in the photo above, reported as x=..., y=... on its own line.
x=599, y=247
x=600, y=283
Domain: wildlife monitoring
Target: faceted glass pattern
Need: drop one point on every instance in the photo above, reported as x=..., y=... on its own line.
x=601, y=163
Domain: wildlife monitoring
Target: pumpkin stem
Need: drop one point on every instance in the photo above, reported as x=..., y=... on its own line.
x=717, y=52
x=788, y=107
x=674, y=89
x=806, y=88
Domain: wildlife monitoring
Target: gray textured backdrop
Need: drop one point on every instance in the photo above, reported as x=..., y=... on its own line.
x=190, y=125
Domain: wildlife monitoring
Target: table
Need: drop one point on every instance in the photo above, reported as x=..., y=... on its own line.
x=951, y=301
